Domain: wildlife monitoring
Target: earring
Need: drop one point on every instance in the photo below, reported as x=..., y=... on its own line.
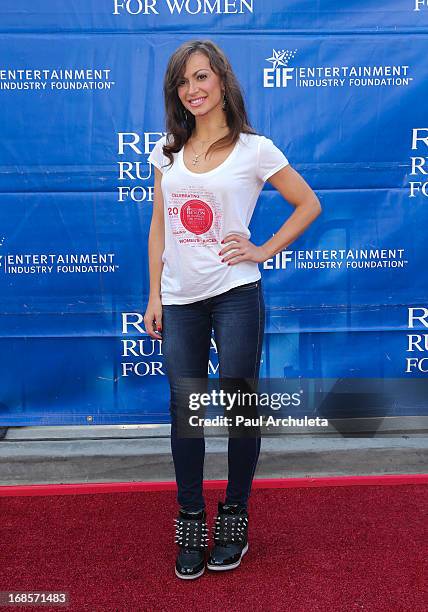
x=224, y=102
x=185, y=114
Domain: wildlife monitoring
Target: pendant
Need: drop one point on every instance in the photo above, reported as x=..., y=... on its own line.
x=195, y=160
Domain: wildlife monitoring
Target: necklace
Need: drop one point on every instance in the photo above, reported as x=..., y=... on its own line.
x=195, y=159
x=197, y=155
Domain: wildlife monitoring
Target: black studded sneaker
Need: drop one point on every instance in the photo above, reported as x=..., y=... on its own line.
x=191, y=534
x=230, y=537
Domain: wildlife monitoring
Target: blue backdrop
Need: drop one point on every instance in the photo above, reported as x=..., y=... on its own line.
x=340, y=89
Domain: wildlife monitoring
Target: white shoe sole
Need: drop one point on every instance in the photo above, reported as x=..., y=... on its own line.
x=192, y=577
x=220, y=568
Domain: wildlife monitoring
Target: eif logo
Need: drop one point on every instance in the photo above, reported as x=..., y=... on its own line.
x=279, y=73
x=279, y=262
x=420, y=4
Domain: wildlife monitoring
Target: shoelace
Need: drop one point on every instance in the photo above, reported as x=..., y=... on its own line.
x=191, y=534
x=230, y=528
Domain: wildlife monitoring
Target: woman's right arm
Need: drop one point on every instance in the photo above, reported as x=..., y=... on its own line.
x=153, y=315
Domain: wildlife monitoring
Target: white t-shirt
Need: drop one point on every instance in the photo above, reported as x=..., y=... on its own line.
x=202, y=209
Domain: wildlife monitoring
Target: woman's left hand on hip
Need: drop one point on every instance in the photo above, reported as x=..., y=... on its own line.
x=241, y=249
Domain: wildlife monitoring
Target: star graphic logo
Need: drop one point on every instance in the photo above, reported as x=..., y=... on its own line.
x=281, y=58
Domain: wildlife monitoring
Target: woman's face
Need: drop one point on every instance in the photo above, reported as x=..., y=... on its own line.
x=199, y=81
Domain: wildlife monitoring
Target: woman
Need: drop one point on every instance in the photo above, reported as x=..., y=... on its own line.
x=204, y=276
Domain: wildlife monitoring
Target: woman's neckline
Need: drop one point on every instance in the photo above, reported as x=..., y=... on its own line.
x=214, y=170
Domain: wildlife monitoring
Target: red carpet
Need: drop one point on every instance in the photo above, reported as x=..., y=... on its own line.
x=337, y=548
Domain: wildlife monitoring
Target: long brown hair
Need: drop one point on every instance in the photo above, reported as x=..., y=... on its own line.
x=176, y=123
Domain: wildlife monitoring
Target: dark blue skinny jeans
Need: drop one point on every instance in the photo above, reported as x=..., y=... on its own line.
x=237, y=317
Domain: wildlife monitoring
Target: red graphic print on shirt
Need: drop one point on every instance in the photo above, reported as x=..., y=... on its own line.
x=195, y=217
